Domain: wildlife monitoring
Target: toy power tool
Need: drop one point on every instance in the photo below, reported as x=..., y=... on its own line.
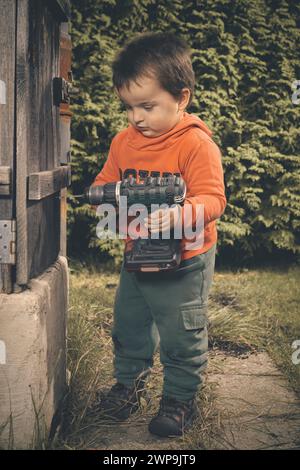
x=145, y=254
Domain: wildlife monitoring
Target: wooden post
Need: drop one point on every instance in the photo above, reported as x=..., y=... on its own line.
x=65, y=132
x=7, y=124
x=22, y=113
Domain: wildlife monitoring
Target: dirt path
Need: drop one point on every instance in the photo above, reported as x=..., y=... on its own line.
x=258, y=408
x=251, y=407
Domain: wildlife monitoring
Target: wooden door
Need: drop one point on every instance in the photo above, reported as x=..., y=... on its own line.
x=31, y=171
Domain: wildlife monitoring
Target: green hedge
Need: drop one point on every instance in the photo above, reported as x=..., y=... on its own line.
x=246, y=57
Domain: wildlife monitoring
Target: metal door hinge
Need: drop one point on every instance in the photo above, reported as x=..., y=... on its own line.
x=62, y=91
x=7, y=241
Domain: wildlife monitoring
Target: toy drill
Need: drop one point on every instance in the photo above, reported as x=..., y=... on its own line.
x=145, y=254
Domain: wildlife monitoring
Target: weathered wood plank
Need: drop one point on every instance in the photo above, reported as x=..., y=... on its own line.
x=43, y=67
x=5, y=180
x=44, y=244
x=7, y=97
x=5, y=174
x=7, y=117
x=6, y=275
x=45, y=183
x=23, y=107
x=63, y=222
x=5, y=190
x=39, y=175
x=65, y=128
x=43, y=216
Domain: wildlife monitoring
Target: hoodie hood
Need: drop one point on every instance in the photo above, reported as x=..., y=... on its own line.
x=138, y=141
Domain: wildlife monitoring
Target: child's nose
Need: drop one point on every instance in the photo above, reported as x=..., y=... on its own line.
x=138, y=116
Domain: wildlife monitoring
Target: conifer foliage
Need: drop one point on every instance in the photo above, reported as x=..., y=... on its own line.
x=246, y=58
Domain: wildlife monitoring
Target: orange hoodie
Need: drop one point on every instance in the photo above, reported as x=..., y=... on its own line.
x=188, y=150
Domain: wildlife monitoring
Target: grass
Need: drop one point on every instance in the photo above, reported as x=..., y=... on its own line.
x=265, y=303
x=249, y=309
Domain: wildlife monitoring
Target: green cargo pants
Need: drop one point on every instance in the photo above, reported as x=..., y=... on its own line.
x=166, y=309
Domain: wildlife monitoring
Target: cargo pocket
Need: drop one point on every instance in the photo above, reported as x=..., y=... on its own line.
x=192, y=332
x=194, y=317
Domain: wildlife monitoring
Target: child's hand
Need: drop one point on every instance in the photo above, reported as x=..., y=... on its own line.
x=163, y=219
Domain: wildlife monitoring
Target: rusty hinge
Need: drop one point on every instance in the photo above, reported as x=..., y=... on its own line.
x=62, y=91
x=7, y=241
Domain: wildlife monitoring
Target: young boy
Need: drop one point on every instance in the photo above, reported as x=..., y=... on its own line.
x=154, y=78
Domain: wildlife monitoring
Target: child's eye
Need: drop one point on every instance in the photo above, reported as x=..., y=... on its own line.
x=148, y=108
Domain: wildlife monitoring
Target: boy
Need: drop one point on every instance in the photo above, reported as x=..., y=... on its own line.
x=154, y=78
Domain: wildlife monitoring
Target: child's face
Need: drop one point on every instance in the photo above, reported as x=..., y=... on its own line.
x=151, y=109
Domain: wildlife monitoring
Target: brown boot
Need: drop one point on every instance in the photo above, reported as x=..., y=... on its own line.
x=122, y=401
x=174, y=417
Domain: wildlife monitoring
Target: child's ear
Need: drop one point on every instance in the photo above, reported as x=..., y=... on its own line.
x=116, y=91
x=184, y=99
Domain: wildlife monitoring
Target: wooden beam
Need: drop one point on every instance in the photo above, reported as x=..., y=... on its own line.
x=5, y=190
x=45, y=183
x=5, y=180
x=5, y=175
x=63, y=222
x=7, y=103
x=23, y=106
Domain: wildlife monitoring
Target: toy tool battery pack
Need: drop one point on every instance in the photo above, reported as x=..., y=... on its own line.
x=148, y=255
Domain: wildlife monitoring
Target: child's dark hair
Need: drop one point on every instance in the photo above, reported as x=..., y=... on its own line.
x=162, y=55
